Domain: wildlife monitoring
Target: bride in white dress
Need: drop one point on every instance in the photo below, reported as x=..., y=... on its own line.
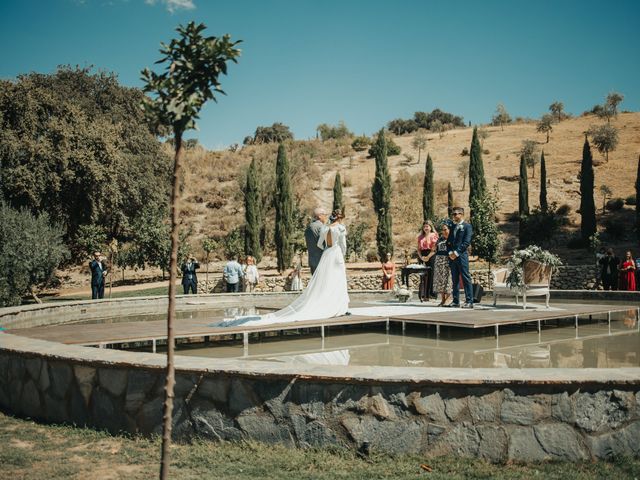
x=326, y=294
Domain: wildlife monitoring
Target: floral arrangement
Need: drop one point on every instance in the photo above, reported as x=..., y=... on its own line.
x=515, y=279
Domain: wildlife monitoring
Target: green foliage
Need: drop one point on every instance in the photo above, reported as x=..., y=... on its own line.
x=381, y=196
x=276, y=133
x=500, y=117
x=360, y=143
x=392, y=148
x=252, y=213
x=90, y=238
x=284, y=211
x=615, y=229
x=486, y=235
x=557, y=111
x=400, y=126
x=587, y=204
x=519, y=257
x=605, y=138
x=606, y=193
x=528, y=151
x=337, y=194
x=419, y=142
x=477, y=182
x=630, y=200
x=428, y=191
x=233, y=242
x=209, y=245
x=545, y=125
x=544, y=205
x=334, y=131
x=426, y=120
x=615, y=204
x=541, y=225
x=523, y=189
x=75, y=145
x=356, y=243
x=31, y=248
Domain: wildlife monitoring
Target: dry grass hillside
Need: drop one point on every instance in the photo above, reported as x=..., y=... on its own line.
x=213, y=196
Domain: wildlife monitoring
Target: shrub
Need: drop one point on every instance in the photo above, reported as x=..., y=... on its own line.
x=615, y=228
x=465, y=152
x=498, y=157
x=392, y=149
x=486, y=151
x=615, y=204
x=630, y=200
x=513, y=217
x=540, y=226
x=563, y=210
x=577, y=242
x=372, y=256
x=361, y=143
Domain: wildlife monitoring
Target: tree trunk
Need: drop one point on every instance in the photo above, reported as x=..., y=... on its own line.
x=34, y=295
x=167, y=415
x=547, y=137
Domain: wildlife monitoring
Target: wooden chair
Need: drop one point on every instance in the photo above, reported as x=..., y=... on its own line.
x=537, y=283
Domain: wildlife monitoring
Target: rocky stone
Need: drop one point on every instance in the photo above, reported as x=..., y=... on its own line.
x=44, y=382
x=493, y=443
x=384, y=436
x=561, y=442
x=113, y=380
x=303, y=392
x=433, y=432
x=261, y=427
x=16, y=369
x=149, y=418
x=562, y=408
x=4, y=370
x=316, y=434
x=462, y=439
x=85, y=379
x=431, y=406
x=139, y=386
x=378, y=407
x=15, y=393
x=31, y=405
x=621, y=443
x=242, y=397
x=34, y=367
x=522, y=410
x=597, y=411
x=347, y=397
x=104, y=411
x=485, y=408
x=79, y=407
x=182, y=427
x=185, y=384
x=55, y=408
x=60, y=375
x=454, y=407
x=209, y=422
x=214, y=389
x=524, y=446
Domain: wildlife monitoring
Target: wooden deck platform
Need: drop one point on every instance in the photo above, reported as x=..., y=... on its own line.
x=153, y=331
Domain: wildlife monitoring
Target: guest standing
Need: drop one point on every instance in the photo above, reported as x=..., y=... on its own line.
x=296, y=278
x=388, y=273
x=427, y=241
x=98, y=273
x=609, y=270
x=251, y=274
x=458, y=242
x=442, y=278
x=628, y=273
x=189, y=277
x=232, y=274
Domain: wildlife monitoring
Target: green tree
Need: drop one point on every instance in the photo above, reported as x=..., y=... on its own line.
x=428, y=193
x=606, y=193
x=193, y=65
x=335, y=132
x=483, y=134
x=252, y=213
x=544, y=206
x=276, y=133
x=528, y=151
x=90, y=238
x=477, y=182
x=209, y=245
x=284, y=212
x=545, y=125
x=392, y=148
x=450, y=201
x=613, y=100
x=31, y=248
x=523, y=196
x=419, y=142
x=557, y=110
x=500, y=117
x=381, y=196
x=587, y=205
x=356, y=243
x=605, y=138
x=76, y=145
x=463, y=171
x=360, y=143
x=337, y=194
x=486, y=235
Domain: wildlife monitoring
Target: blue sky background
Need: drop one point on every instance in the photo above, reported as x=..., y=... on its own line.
x=364, y=62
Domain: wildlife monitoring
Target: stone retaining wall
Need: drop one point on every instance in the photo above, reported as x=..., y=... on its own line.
x=499, y=415
x=568, y=277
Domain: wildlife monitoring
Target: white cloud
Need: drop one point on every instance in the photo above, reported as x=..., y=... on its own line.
x=173, y=5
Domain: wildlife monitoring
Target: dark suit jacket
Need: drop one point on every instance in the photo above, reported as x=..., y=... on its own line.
x=311, y=236
x=609, y=261
x=97, y=275
x=189, y=272
x=460, y=238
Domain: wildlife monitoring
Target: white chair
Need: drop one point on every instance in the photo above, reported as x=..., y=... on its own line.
x=537, y=283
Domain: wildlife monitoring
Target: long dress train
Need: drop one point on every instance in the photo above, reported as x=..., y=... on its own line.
x=326, y=294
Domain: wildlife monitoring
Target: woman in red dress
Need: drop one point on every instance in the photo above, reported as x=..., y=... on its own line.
x=388, y=273
x=628, y=273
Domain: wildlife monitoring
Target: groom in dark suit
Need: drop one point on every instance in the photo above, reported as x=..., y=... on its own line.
x=458, y=242
x=311, y=236
x=98, y=272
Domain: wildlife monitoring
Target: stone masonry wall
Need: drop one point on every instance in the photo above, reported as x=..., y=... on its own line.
x=566, y=277
x=522, y=423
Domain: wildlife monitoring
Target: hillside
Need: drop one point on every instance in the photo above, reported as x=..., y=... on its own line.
x=213, y=197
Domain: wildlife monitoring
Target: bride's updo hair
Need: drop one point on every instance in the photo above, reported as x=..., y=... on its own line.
x=336, y=215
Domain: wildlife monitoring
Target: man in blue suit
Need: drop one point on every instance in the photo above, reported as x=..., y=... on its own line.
x=98, y=272
x=458, y=242
x=189, y=276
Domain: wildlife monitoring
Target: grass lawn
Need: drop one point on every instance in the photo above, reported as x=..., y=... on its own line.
x=32, y=451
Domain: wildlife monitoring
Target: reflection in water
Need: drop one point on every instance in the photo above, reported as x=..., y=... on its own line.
x=598, y=345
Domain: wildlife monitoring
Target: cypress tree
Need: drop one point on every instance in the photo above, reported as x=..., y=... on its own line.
x=337, y=194
x=428, y=210
x=449, y=200
x=523, y=197
x=587, y=204
x=381, y=196
x=284, y=211
x=544, y=206
x=477, y=182
x=638, y=200
x=252, y=213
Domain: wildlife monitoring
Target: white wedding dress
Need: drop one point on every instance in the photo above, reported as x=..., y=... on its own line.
x=326, y=294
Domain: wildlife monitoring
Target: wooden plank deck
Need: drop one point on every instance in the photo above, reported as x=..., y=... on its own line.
x=140, y=331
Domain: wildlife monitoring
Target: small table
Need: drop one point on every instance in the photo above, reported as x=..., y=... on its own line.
x=416, y=268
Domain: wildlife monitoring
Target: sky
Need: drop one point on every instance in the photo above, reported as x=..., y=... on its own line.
x=306, y=62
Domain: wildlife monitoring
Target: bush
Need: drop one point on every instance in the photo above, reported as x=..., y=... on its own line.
x=498, y=157
x=372, y=256
x=540, y=226
x=576, y=242
x=630, y=200
x=392, y=149
x=563, y=210
x=486, y=151
x=615, y=204
x=360, y=143
x=465, y=152
x=615, y=228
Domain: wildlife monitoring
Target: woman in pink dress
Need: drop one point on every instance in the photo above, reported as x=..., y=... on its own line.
x=427, y=241
x=628, y=273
